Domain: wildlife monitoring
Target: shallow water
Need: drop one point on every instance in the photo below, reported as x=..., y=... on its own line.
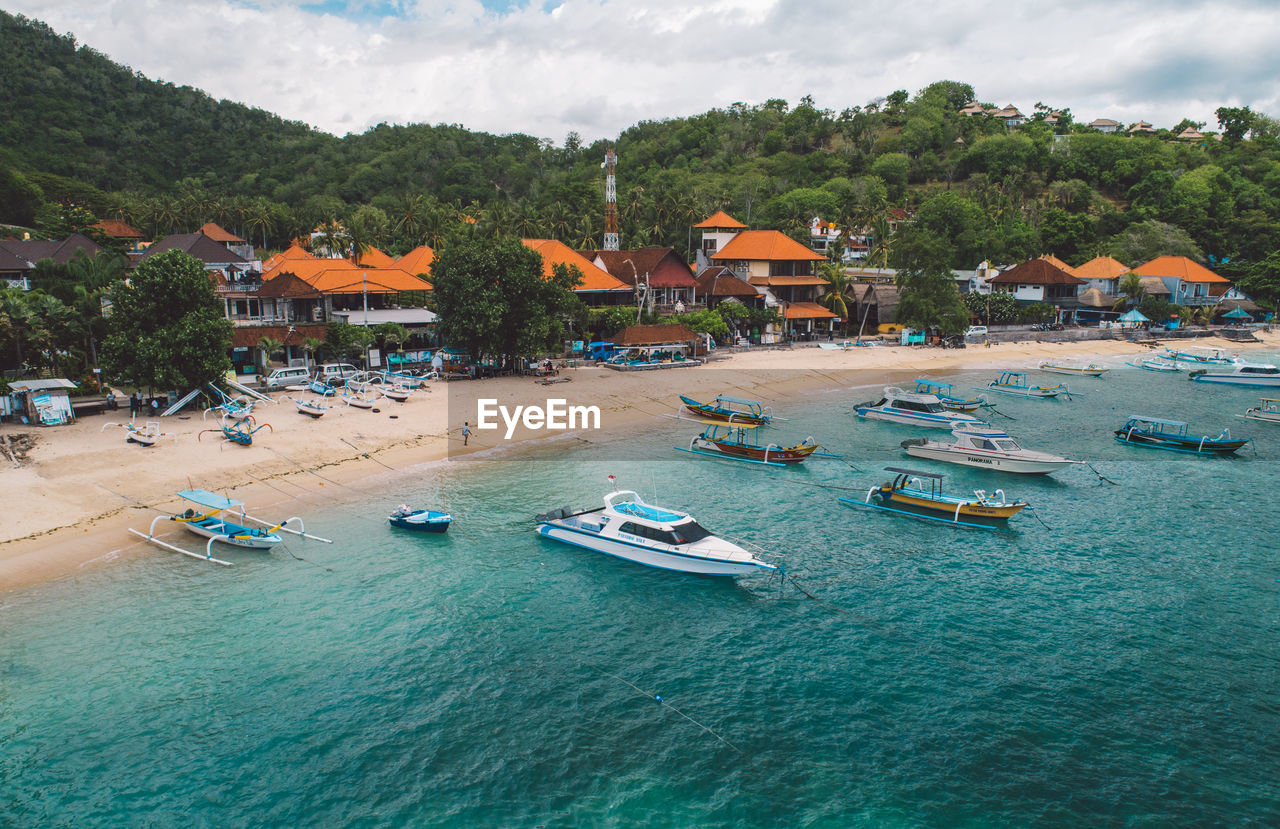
x=1113, y=664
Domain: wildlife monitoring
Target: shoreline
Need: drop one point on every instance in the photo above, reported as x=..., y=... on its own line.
x=81, y=486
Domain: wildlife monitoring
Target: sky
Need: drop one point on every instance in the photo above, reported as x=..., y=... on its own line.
x=595, y=67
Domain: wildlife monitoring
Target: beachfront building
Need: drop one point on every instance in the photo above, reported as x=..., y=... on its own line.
x=717, y=230
x=1040, y=280
x=18, y=257
x=1189, y=282
x=1102, y=273
x=598, y=287
x=662, y=278
x=1011, y=116
x=229, y=240
x=1105, y=125
x=418, y=261
x=783, y=269
x=718, y=284
x=662, y=341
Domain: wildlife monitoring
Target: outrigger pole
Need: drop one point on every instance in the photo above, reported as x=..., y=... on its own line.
x=208, y=556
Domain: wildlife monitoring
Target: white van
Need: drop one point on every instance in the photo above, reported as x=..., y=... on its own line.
x=975, y=332
x=281, y=377
x=333, y=373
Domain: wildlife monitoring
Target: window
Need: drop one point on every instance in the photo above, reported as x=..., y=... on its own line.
x=651, y=533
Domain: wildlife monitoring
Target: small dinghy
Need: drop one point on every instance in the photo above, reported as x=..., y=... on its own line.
x=422, y=520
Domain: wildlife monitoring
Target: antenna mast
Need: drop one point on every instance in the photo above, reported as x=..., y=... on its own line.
x=611, y=241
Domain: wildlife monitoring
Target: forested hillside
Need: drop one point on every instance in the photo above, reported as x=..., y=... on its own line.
x=75, y=127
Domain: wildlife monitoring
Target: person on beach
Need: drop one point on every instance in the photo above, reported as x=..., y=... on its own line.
x=466, y=433
x=111, y=400
x=135, y=403
x=155, y=407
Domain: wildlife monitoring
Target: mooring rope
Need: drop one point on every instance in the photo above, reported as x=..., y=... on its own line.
x=666, y=704
x=1101, y=477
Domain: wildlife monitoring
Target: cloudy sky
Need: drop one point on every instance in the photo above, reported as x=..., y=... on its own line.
x=546, y=67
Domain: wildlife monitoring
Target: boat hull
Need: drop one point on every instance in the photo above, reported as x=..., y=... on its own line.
x=1078, y=371
x=790, y=454
x=422, y=521
x=1021, y=466
x=1027, y=391
x=968, y=514
x=1270, y=381
x=930, y=420
x=649, y=556
x=1172, y=443
x=708, y=411
x=233, y=534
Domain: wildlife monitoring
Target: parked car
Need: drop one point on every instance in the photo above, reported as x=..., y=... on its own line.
x=335, y=373
x=282, y=377
x=975, y=332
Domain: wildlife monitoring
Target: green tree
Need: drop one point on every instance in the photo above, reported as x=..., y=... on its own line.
x=266, y=347
x=166, y=329
x=929, y=297
x=840, y=290
x=495, y=302
x=1145, y=240
x=1261, y=280
x=1130, y=287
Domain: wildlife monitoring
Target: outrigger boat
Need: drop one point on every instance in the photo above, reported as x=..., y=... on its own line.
x=1200, y=354
x=423, y=520
x=912, y=408
x=1268, y=412
x=240, y=432
x=1256, y=375
x=320, y=387
x=1015, y=383
x=626, y=527
x=947, y=397
x=907, y=495
x=216, y=526
x=987, y=447
x=396, y=393
x=142, y=435
x=357, y=395
x=730, y=410
x=310, y=408
x=236, y=408
x=1078, y=369
x=1155, y=364
x=741, y=442
x=1171, y=435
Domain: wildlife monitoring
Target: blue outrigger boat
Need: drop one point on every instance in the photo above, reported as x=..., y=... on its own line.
x=907, y=494
x=740, y=442
x=422, y=520
x=1016, y=384
x=730, y=409
x=1171, y=435
x=946, y=396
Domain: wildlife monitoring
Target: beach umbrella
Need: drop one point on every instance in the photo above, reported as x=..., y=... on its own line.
x=1237, y=313
x=1134, y=316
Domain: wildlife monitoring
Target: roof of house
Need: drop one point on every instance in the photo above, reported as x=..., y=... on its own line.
x=806, y=311
x=1191, y=134
x=884, y=297
x=787, y=281
x=667, y=334
x=1009, y=111
x=9, y=262
x=665, y=269
x=766, y=245
x=1155, y=285
x=287, y=285
x=292, y=334
x=372, y=257
x=293, y=252
x=417, y=260
x=197, y=245
x=558, y=253
x=720, y=220
x=367, y=280
x=118, y=230
x=720, y=281
x=1058, y=263
x=1101, y=267
x=1103, y=122
x=1096, y=299
x=1181, y=267
x=31, y=251
x=218, y=234
x=1036, y=272
x=1142, y=126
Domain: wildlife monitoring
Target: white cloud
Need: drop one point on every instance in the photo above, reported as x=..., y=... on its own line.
x=598, y=66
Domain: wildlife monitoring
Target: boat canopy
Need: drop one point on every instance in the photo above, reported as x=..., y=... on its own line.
x=212, y=500
x=1157, y=421
x=724, y=398
x=915, y=472
x=649, y=513
x=926, y=383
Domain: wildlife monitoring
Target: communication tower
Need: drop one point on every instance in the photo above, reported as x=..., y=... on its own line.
x=611, y=241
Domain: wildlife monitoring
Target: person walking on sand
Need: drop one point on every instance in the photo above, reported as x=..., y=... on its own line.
x=135, y=403
x=466, y=433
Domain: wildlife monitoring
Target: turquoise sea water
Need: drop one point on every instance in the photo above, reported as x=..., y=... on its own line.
x=1115, y=665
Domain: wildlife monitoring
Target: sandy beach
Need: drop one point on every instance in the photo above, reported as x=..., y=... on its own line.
x=68, y=505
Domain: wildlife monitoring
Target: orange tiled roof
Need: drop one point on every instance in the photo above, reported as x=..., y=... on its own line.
x=558, y=253
x=720, y=219
x=376, y=259
x=417, y=260
x=1058, y=263
x=372, y=280
x=1101, y=267
x=217, y=234
x=787, y=281
x=1181, y=267
x=118, y=230
x=807, y=311
x=293, y=252
x=765, y=245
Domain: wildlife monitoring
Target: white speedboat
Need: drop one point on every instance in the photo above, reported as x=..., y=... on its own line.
x=1078, y=369
x=627, y=527
x=1155, y=364
x=1257, y=375
x=987, y=447
x=914, y=408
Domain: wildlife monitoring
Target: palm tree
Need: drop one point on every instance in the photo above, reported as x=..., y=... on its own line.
x=268, y=346
x=310, y=346
x=1130, y=287
x=840, y=293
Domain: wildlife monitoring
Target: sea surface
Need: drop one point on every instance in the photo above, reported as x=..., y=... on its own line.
x=1109, y=660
